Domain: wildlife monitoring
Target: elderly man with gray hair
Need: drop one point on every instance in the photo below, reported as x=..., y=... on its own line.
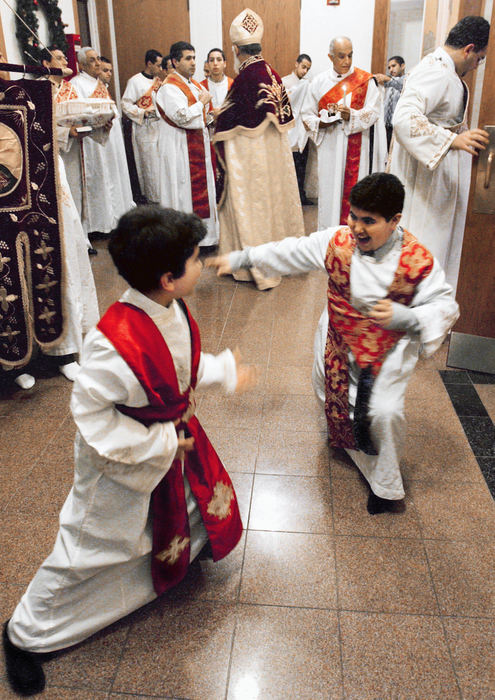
x=344, y=116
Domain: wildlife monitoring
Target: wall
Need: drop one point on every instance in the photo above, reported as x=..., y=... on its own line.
x=205, y=18
x=321, y=22
x=405, y=32
x=7, y=19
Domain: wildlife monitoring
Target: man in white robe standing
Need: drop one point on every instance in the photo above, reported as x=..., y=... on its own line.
x=217, y=83
x=343, y=113
x=137, y=105
x=102, y=191
x=433, y=148
x=187, y=181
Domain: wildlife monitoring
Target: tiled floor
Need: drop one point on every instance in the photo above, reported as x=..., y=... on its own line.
x=319, y=600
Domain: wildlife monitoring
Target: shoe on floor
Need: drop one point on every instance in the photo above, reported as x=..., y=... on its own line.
x=24, y=671
x=92, y=251
x=377, y=505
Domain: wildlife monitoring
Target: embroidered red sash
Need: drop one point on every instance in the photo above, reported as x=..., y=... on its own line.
x=195, y=149
x=146, y=101
x=357, y=84
x=137, y=339
x=348, y=329
x=65, y=92
x=101, y=91
x=204, y=83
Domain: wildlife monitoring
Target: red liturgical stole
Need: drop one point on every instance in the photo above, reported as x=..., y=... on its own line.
x=146, y=101
x=139, y=342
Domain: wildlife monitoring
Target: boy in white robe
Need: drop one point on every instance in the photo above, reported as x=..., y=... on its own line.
x=130, y=449
x=388, y=302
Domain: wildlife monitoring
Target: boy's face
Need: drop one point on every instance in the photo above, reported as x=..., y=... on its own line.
x=370, y=230
x=185, y=285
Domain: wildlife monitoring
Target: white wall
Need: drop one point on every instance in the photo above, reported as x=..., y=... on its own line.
x=321, y=22
x=205, y=18
x=7, y=18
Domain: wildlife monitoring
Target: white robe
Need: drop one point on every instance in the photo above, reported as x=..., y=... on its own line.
x=218, y=91
x=433, y=306
x=100, y=567
x=108, y=187
x=332, y=142
x=296, y=91
x=436, y=177
x=144, y=136
x=175, y=177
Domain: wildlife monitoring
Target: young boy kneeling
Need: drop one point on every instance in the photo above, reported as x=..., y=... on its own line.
x=149, y=490
x=388, y=301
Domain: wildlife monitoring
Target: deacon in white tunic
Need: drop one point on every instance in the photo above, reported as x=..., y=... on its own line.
x=433, y=149
x=426, y=321
x=100, y=567
x=177, y=116
x=137, y=105
x=331, y=132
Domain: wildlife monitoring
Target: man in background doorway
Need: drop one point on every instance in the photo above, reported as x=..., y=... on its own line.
x=296, y=84
x=342, y=112
x=137, y=105
x=393, y=84
x=433, y=149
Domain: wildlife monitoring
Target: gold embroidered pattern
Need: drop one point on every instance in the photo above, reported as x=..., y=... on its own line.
x=172, y=553
x=220, y=504
x=421, y=125
x=249, y=23
x=274, y=94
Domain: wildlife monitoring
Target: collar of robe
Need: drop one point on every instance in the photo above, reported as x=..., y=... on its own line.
x=150, y=77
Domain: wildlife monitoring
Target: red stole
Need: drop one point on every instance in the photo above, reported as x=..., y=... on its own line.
x=357, y=84
x=101, y=91
x=139, y=342
x=66, y=91
x=348, y=329
x=195, y=149
x=204, y=83
x=146, y=101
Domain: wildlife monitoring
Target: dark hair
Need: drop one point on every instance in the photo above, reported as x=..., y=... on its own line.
x=177, y=49
x=165, y=60
x=151, y=55
x=105, y=60
x=150, y=241
x=45, y=54
x=399, y=60
x=380, y=193
x=250, y=49
x=219, y=51
x=469, y=30
x=303, y=56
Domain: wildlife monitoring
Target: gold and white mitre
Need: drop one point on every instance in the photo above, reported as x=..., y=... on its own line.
x=247, y=28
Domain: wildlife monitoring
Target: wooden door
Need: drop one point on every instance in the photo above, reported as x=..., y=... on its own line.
x=147, y=24
x=281, y=38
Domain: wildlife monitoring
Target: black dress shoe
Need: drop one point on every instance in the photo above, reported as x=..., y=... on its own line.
x=92, y=251
x=306, y=202
x=24, y=671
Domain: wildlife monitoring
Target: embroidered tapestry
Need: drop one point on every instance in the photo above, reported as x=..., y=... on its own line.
x=30, y=235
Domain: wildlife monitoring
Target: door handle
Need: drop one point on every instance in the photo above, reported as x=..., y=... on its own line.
x=488, y=172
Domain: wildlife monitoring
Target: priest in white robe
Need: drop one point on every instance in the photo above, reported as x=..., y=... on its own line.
x=137, y=105
x=433, y=148
x=187, y=181
x=343, y=113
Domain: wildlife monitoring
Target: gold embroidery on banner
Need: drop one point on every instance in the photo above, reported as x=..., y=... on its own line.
x=172, y=553
x=219, y=506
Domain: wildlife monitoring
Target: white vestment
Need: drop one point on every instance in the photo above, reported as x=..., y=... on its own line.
x=436, y=177
x=175, y=176
x=296, y=91
x=145, y=125
x=435, y=311
x=106, y=176
x=100, y=567
x=218, y=91
x=332, y=142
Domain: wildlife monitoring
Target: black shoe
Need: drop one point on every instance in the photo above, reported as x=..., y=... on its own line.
x=378, y=505
x=306, y=202
x=24, y=671
x=92, y=251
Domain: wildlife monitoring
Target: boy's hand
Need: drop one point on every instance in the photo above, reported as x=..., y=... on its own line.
x=247, y=375
x=184, y=445
x=382, y=312
x=221, y=263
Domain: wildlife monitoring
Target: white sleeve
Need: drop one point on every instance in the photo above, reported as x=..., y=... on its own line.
x=310, y=114
x=422, y=94
x=290, y=256
x=103, y=382
x=362, y=119
x=435, y=308
x=217, y=369
x=129, y=106
x=174, y=104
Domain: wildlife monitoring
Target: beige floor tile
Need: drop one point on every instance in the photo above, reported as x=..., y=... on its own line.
x=351, y=517
x=444, y=458
x=236, y=447
x=25, y=541
x=486, y=392
x=291, y=412
x=472, y=645
x=242, y=411
x=243, y=485
x=291, y=504
x=282, y=568
x=282, y=653
x=395, y=656
x=289, y=380
x=384, y=575
x=464, y=576
x=53, y=693
x=178, y=649
x=301, y=453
